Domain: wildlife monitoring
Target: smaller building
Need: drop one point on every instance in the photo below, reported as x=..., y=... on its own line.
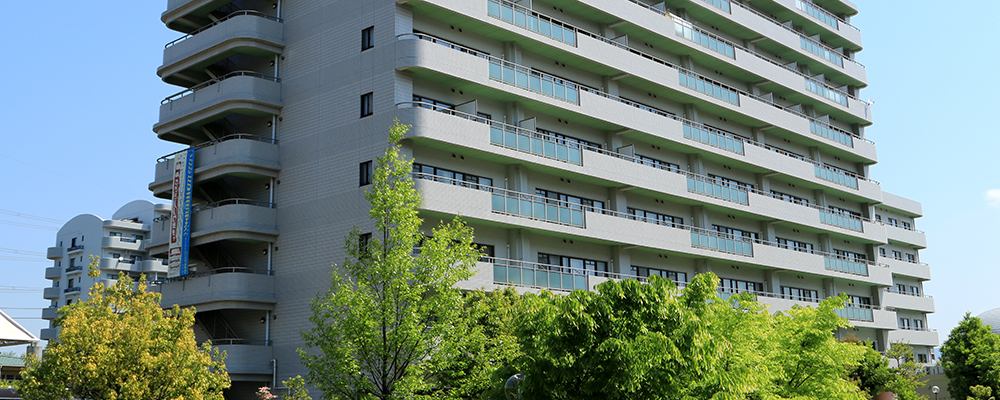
x=119, y=244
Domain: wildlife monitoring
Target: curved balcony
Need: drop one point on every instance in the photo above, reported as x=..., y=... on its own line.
x=51, y=293
x=240, y=92
x=503, y=143
x=238, y=154
x=233, y=219
x=135, y=225
x=907, y=301
x=53, y=273
x=447, y=197
x=914, y=337
x=189, y=15
x=122, y=243
x=54, y=253
x=224, y=288
x=49, y=333
x=50, y=313
x=157, y=266
x=242, y=32
x=246, y=360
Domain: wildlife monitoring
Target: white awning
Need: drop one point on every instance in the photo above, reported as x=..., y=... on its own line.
x=12, y=333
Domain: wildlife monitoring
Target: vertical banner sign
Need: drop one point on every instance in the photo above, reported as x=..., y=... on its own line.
x=180, y=215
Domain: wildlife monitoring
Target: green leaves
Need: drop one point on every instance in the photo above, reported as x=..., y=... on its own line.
x=119, y=344
x=971, y=357
x=389, y=309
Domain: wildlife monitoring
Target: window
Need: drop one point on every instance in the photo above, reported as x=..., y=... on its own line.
x=136, y=259
x=878, y=217
x=893, y=221
x=841, y=211
x=907, y=226
x=69, y=301
x=858, y=301
x=901, y=288
x=367, y=38
x=911, y=257
x=453, y=177
x=366, y=104
x=922, y=358
x=851, y=256
x=363, y=240
x=365, y=172
x=655, y=218
x=580, y=265
x=918, y=324
x=113, y=276
x=137, y=237
x=881, y=251
x=789, y=198
x=488, y=251
x=897, y=255
x=574, y=202
x=652, y=162
x=731, y=182
x=678, y=277
x=116, y=255
x=114, y=234
x=915, y=290
x=570, y=141
x=800, y=294
x=736, y=286
x=904, y=323
x=432, y=104
x=736, y=233
x=795, y=245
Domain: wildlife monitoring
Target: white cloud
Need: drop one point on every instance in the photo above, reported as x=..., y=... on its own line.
x=993, y=197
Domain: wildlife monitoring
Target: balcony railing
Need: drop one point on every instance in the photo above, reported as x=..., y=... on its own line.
x=528, y=19
x=219, y=21
x=723, y=242
x=75, y=248
x=245, y=342
x=227, y=270
x=705, y=39
x=521, y=139
x=552, y=277
x=73, y=268
x=530, y=79
x=858, y=312
x=240, y=136
x=891, y=290
x=229, y=202
x=853, y=266
x=845, y=221
x=206, y=84
x=73, y=289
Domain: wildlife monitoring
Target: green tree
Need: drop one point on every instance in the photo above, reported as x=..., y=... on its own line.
x=980, y=393
x=470, y=363
x=119, y=344
x=874, y=374
x=971, y=357
x=653, y=341
x=387, y=309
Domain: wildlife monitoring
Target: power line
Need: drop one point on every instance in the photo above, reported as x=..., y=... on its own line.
x=74, y=178
x=25, y=252
x=29, y=216
x=23, y=225
x=22, y=308
x=22, y=259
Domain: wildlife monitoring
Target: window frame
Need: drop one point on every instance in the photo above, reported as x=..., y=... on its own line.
x=367, y=104
x=368, y=38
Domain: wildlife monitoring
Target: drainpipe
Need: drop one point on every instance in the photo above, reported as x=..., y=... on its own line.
x=274, y=373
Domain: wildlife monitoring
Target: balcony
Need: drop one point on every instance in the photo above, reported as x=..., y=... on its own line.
x=815, y=20
x=444, y=196
x=914, y=337
x=246, y=360
x=233, y=219
x=49, y=333
x=920, y=271
x=155, y=266
x=51, y=293
x=74, y=249
x=903, y=205
x=54, y=253
x=242, y=32
x=238, y=154
x=116, y=264
x=911, y=237
x=50, y=313
x=53, y=273
x=72, y=290
x=240, y=92
x=189, y=15
x=907, y=301
x=508, y=144
x=74, y=269
x=220, y=289
x=122, y=243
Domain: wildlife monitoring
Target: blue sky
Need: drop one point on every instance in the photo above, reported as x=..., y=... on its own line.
x=80, y=95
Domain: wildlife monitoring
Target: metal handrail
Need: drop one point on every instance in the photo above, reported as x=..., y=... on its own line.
x=229, y=202
x=74, y=268
x=216, y=271
x=243, y=136
x=75, y=248
x=417, y=104
x=911, y=328
x=907, y=261
x=246, y=342
x=219, y=21
x=911, y=228
x=575, y=271
x=72, y=289
x=891, y=290
x=210, y=82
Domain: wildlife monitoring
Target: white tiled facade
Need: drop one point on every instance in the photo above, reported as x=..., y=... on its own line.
x=584, y=140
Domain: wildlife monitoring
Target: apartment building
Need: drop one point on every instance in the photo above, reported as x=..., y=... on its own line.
x=584, y=140
x=119, y=244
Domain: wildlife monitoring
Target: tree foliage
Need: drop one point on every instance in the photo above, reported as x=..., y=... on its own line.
x=874, y=374
x=119, y=344
x=652, y=341
x=387, y=309
x=971, y=357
